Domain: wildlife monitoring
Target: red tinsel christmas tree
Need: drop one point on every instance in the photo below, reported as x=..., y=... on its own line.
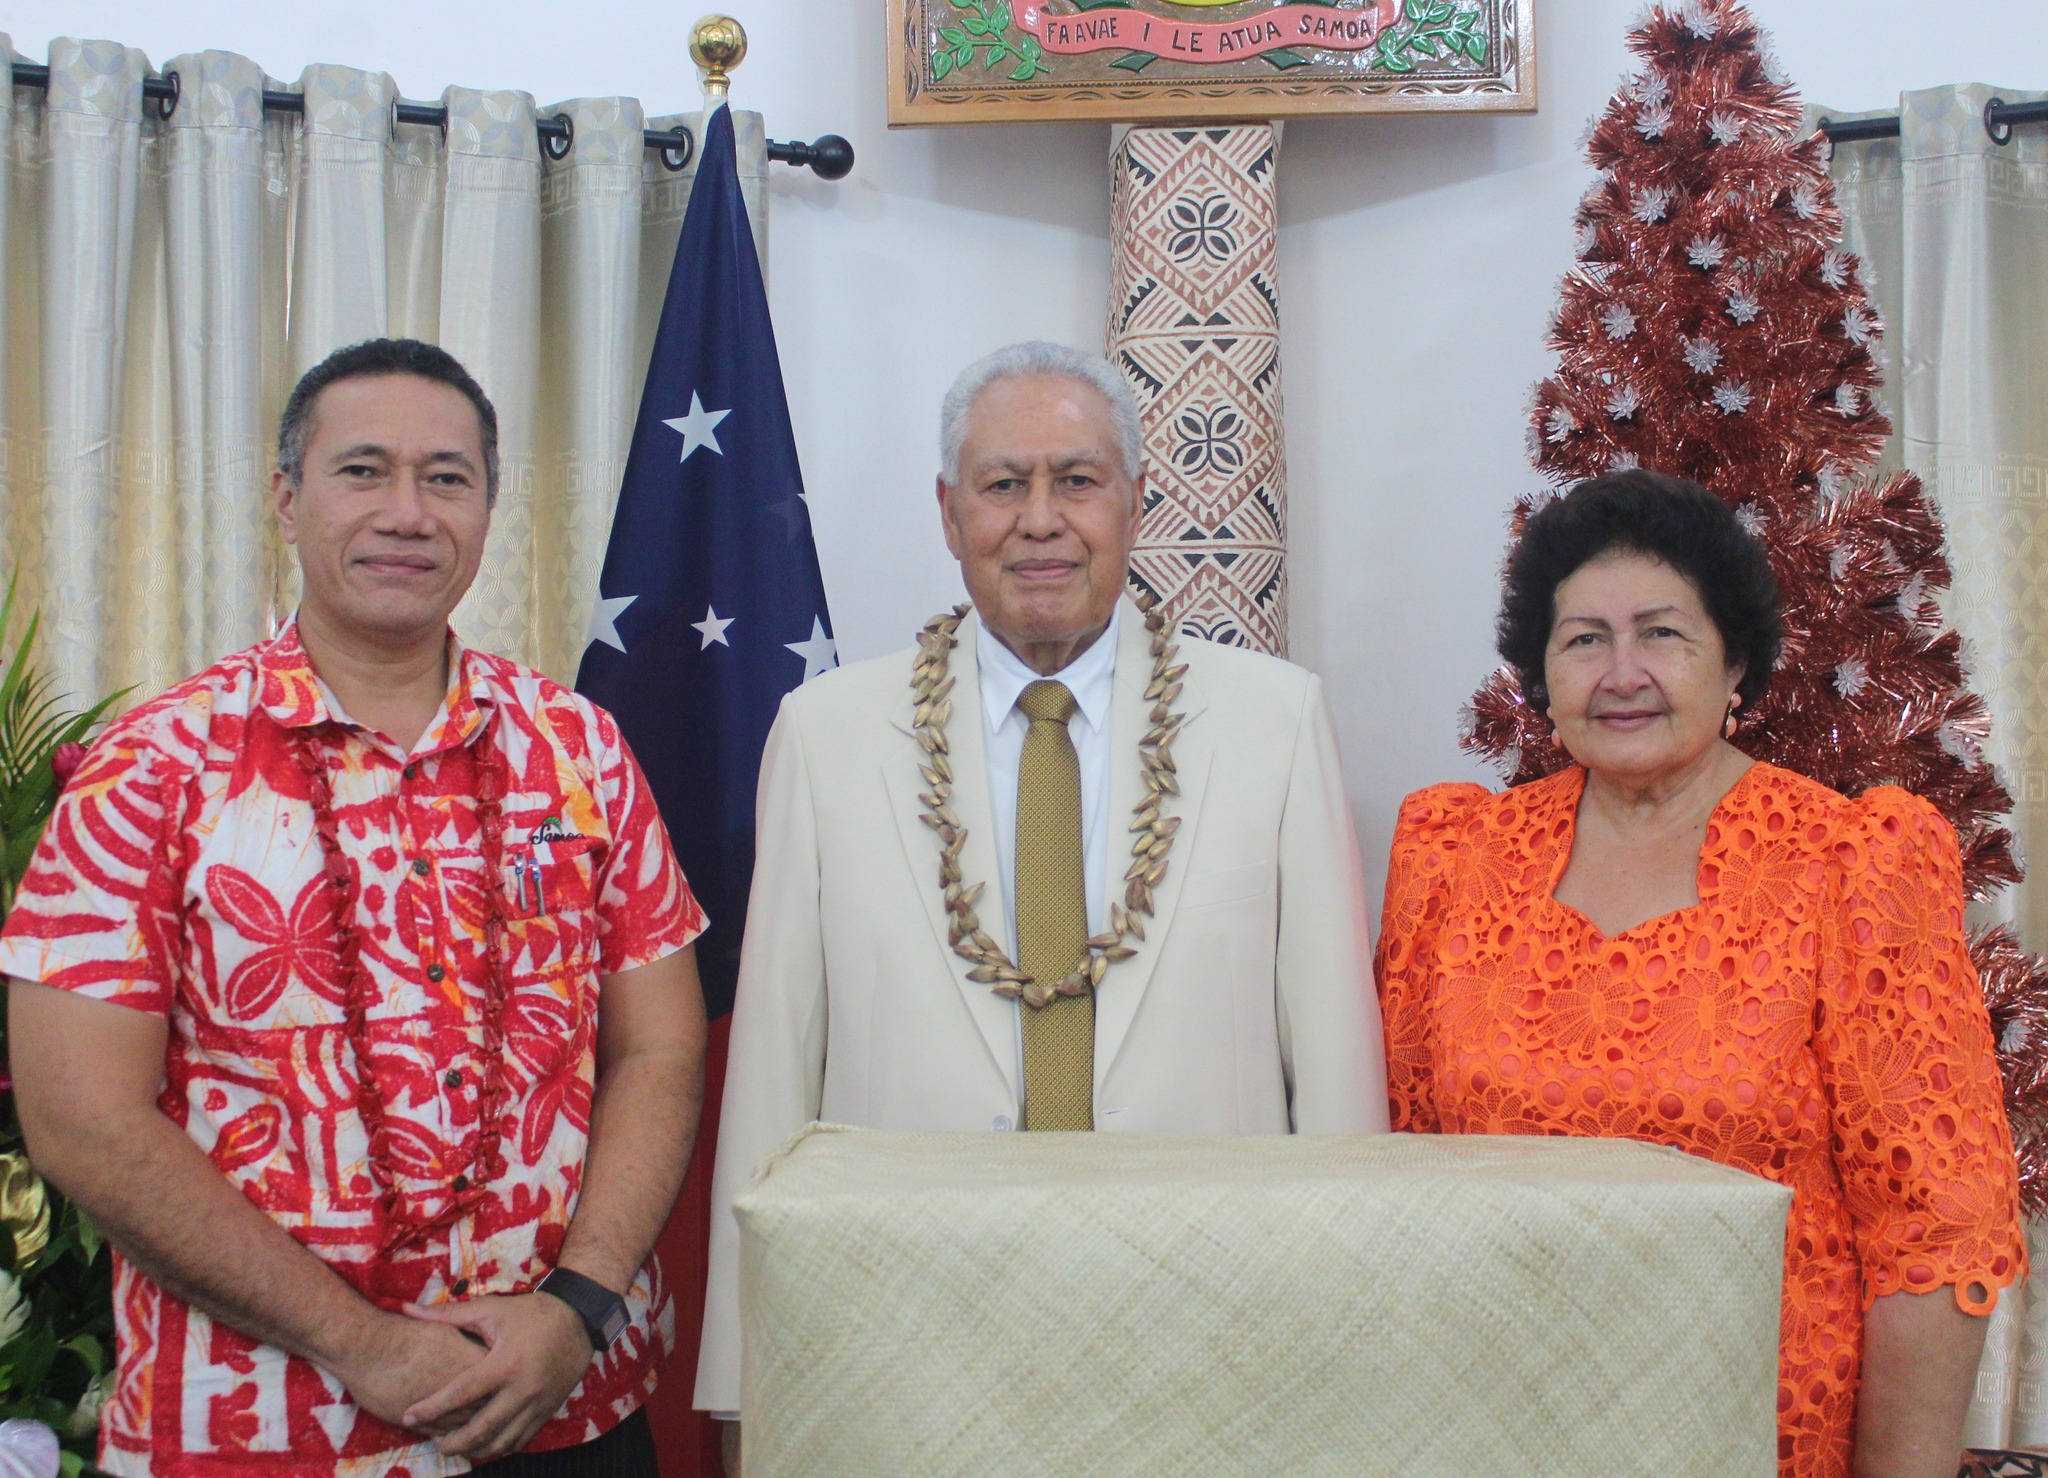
x=1714, y=328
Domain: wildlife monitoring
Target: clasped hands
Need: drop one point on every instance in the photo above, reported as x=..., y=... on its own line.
x=479, y=1378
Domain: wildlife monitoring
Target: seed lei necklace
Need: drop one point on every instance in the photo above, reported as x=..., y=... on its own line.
x=486, y=1162
x=931, y=685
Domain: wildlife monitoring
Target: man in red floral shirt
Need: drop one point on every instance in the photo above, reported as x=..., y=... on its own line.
x=353, y=997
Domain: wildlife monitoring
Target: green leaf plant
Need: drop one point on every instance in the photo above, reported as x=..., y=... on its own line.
x=56, y=1284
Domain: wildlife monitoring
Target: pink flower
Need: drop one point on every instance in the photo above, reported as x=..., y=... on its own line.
x=64, y=762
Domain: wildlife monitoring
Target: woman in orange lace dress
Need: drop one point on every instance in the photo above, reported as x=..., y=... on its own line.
x=1669, y=942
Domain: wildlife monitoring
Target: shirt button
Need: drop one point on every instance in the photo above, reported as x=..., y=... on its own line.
x=435, y=972
x=419, y=867
x=1001, y=1124
x=412, y=771
x=461, y=1182
x=460, y=1287
x=454, y=1078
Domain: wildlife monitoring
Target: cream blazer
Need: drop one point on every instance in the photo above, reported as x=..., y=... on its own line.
x=1250, y=1009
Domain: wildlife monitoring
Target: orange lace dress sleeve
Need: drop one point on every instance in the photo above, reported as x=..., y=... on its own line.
x=1909, y=1067
x=1426, y=840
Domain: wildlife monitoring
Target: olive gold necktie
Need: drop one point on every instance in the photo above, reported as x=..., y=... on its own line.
x=1052, y=915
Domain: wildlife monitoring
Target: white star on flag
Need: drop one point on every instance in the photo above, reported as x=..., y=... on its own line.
x=820, y=653
x=698, y=428
x=604, y=620
x=712, y=629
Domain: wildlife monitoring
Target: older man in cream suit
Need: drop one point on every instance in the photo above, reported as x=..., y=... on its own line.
x=1173, y=936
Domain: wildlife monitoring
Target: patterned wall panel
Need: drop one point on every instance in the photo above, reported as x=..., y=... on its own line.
x=1194, y=324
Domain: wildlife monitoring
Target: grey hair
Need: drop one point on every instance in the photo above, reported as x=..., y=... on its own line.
x=1038, y=357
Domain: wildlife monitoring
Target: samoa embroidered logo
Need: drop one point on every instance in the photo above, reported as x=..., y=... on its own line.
x=551, y=831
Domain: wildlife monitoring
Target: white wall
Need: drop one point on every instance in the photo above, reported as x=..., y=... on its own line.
x=1418, y=261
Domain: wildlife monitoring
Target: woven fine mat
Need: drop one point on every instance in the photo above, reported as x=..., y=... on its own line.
x=1105, y=1304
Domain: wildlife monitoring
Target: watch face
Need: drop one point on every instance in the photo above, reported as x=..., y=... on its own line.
x=615, y=1321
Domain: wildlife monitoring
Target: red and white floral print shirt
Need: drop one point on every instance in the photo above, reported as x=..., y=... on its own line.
x=182, y=875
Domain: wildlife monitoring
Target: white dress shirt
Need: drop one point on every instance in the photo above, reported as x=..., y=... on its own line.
x=1091, y=678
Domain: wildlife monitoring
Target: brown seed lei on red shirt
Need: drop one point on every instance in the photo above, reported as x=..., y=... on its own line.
x=485, y=1162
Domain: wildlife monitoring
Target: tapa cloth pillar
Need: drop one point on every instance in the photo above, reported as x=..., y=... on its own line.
x=1194, y=324
x=1109, y=1304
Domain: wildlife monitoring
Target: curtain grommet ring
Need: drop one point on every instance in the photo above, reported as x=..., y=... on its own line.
x=424, y=115
x=558, y=137
x=167, y=104
x=1994, y=125
x=675, y=158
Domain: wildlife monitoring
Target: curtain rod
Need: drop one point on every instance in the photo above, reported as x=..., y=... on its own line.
x=1999, y=118
x=830, y=157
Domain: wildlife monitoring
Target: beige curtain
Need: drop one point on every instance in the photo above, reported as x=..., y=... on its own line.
x=1953, y=227
x=167, y=279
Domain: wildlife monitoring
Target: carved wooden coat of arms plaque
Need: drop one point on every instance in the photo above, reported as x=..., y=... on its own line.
x=984, y=61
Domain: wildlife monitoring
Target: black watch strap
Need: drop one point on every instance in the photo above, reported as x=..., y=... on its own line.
x=602, y=1311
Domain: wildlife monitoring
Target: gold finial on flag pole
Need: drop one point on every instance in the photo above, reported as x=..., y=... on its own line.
x=718, y=43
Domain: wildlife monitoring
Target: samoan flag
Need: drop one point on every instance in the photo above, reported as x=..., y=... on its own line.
x=710, y=608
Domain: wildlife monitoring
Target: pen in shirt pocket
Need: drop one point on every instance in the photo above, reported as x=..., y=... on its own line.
x=529, y=887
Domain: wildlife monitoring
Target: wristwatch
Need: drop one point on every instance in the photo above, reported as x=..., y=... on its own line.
x=602, y=1311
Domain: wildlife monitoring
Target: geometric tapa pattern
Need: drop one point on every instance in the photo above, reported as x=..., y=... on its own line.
x=2004, y=1465
x=1194, y=324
